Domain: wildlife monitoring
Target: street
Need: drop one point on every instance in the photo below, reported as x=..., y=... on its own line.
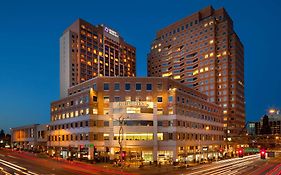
x=13, y=162
x=23, y=163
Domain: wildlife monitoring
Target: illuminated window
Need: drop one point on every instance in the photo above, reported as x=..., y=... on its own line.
x=160, y=136
x=95, y=111
x=212, y=41
x=159, y=111
x=225, y=112
x=211, y=54
x=201, y=70
x=170, y=111
x=206, y=56
x=195, y=72
x=206, y=68
x=106, y=99
x=87, y=111
x=148, y=98
x=128, y=98
x=76, y=113
x=105, y=111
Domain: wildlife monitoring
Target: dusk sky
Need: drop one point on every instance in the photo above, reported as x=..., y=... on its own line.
x=29, y=47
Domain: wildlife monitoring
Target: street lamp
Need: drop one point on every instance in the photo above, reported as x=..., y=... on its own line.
x=121, y=135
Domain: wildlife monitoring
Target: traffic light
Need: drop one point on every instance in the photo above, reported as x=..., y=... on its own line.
x=262, y=152
x=123, y=155
x=95, y=151
x=240, y=152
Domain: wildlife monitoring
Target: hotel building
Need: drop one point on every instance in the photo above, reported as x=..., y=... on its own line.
x=152, y=119
x=203, y=52
x=87, y=51
x=30, y=137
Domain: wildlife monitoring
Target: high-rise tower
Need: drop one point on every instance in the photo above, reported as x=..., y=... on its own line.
x=87, y=51
x=203, y=51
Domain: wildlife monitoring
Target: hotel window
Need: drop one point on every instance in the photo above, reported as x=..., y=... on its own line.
x=170, y=99
x=95, y=136
x=95, y=86
x=95, y=111
x=138, y=86
x=148, y=98
x=87, y=111
x=105, y=136
x=106, y=99
x=105, y=86
x=159, y=111
x=81, y=112
x=116, y=99
x=160, y=136
x=95, y=98
x=159, y=86
x=128, y=98
x=106, y=123
x=116, y=86
x=127, y=86
x=159, y=99
x=149, y=87
x=170, y=111
x=105, y=111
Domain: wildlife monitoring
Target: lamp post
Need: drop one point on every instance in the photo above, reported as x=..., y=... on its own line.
x=121, y=135
x=11, y=139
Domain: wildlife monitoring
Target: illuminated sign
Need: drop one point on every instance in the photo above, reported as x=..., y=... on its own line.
x=111, y=32
x=133, y=104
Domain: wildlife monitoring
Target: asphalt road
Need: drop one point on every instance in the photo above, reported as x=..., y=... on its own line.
x=248, y=165
x=13, y=162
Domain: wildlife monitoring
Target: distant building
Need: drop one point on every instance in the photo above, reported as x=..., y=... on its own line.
x=87, y=51
x=269, y=123
x=251, y=128
x=29, y=137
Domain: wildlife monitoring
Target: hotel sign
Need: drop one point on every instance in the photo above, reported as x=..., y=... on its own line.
x=133, y=104
x=111, y=32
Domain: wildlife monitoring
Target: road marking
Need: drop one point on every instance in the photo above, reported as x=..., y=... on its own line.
x=22, y=169
x=13, y=168
x=218, y=166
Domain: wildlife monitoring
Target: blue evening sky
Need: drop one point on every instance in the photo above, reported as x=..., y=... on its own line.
x=29, y=47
